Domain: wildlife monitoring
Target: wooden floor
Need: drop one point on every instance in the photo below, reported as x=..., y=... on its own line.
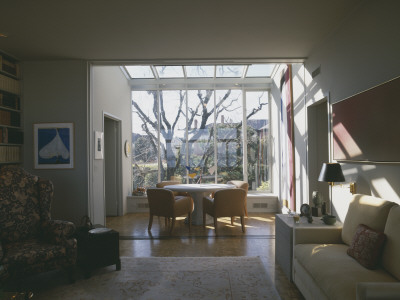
x=259, y=240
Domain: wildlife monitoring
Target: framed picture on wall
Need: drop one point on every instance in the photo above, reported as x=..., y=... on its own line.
x=99, y=145
x=53, y=145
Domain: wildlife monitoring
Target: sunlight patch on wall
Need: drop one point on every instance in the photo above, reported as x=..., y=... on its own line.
x=384, y=189
x=366, y=168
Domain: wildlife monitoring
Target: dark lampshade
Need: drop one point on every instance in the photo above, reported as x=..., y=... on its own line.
x=331, y=172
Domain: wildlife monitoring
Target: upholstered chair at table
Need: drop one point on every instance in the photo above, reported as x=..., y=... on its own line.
x=226, y=203
x=240, y=185
x=162, y=184
x=31, y=242
x=163, y=203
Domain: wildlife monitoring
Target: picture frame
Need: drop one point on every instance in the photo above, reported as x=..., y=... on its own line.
x=98, y=145
x=53, y=145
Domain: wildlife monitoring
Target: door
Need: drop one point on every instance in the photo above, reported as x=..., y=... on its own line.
x=111, y=166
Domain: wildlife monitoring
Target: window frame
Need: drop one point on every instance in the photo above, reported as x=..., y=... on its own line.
x=244, y=90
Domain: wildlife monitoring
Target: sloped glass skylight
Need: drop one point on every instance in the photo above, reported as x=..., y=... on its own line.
x=260, y=70
x=193, y=74
x=170, y=71
x=230, y=71
x=139, y=72
x=201, y=71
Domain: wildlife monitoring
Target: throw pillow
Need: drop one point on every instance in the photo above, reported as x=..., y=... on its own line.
x=366, y=246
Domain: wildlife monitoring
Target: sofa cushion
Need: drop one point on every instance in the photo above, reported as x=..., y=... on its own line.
x=367, y=210
x=391, y=251
x=366, y=246
x=335, y=272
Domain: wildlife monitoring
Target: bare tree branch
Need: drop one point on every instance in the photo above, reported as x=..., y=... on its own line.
x=162, y=112
x=143, y=116
x=146, y=129
x=181, y=101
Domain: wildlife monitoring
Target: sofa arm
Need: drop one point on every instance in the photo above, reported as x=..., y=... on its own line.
x=58, y=231
x=378, y=290
x=312, y=235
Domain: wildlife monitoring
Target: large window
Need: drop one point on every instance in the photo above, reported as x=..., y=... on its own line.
x=201, y=123
x=198, y=136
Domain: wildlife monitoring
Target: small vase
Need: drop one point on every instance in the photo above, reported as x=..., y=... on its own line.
x=317, y=198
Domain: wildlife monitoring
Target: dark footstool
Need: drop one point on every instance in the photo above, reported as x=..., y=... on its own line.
x=97, y=248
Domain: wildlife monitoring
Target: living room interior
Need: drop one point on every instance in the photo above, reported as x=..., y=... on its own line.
x=73, y=57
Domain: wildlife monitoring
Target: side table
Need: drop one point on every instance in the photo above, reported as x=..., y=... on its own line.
x=97, y=248
x=284, y=227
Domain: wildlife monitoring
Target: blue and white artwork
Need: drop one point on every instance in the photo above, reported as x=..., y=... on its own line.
x=54, y=145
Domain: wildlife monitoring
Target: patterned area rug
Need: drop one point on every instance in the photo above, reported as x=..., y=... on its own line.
x=172, y=278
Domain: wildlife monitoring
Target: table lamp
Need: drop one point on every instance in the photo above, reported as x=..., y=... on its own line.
x=331, y=173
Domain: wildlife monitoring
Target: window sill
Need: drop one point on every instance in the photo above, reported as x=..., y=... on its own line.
x=252, y=194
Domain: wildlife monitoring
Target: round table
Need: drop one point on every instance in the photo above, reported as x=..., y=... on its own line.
x=198, y=191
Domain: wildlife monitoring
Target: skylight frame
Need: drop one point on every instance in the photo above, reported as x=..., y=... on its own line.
x=189, y=81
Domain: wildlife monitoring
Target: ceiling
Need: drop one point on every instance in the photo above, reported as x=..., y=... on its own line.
x=149, y=30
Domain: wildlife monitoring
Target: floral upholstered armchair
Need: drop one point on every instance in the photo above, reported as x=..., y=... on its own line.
x=30, y=241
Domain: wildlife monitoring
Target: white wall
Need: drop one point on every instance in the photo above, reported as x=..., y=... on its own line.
x=300, y=128
x=360, y=54
x=56, y=91
x=275, y=122
x=111, y=95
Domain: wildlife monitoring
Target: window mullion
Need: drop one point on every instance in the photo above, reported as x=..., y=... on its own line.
x=187, y=135
x=245, y=175
x=158, y=136
x=215, y=138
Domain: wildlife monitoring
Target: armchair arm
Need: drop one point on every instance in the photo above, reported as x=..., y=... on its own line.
x=378, y=290
x=319, y=235
x=58, y=231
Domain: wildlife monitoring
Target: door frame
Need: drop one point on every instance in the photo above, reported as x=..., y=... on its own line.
x=118, y=167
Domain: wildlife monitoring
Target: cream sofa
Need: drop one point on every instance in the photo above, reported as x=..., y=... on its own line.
x=322, y=269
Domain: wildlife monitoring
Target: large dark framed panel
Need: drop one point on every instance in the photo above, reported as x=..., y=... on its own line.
x=366, y=126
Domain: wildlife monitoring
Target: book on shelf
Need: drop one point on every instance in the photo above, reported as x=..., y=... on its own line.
x=8, y=65
x=10, y=118
x=11, y=136
x=5, y=117
x=9, y=84
x=10, y=153
x=4, y=135
x=9, y=100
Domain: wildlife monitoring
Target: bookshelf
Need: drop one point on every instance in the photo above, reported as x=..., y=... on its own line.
x=11, y=134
